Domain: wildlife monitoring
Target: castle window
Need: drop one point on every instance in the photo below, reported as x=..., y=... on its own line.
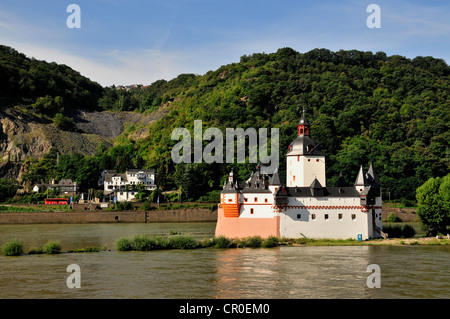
x=251, y=210
x=340, y=216
x=299, y=216
x=326, y=216
x=313, y=216
x=353, y=216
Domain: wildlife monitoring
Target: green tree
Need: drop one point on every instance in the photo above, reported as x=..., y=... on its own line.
x=433, y=201
x=8, y=188
x=64, y=123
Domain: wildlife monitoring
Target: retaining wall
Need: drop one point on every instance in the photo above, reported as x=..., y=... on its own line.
x=178, y=215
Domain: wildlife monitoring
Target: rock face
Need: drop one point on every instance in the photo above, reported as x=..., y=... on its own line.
x=24, y=135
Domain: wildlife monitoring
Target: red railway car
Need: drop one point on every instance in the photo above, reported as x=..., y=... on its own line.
x=57, y=201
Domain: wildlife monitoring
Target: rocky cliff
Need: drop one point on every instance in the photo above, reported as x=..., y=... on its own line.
x=25, y=134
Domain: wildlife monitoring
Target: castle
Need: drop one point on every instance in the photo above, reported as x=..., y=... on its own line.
x=304, y=206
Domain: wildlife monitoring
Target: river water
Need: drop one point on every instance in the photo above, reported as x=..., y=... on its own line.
x=282, y=272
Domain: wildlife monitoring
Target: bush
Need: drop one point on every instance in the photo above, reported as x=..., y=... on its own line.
x=12, y=248
x=393, y=218
x=124, y=244
x=221, y=242
x=52, y=247
x=393, y=231
x=254, y=242
x=142, y=243
x=271, y=241
x=408, y=231
x=182, y=242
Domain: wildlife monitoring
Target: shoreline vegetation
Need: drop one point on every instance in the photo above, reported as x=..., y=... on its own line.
x=175, y=240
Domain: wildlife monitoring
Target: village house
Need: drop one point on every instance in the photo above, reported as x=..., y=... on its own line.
x=124, y=187
x=64, y=186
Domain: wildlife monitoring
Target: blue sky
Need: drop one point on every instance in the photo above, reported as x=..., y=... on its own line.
x=136, y=41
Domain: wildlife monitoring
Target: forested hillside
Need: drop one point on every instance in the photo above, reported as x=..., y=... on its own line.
x=364, y=108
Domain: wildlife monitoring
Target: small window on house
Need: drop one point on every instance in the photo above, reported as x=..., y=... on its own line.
x=317, y=160
x=309, y=160
x=294, y=178
x=266, y=200
x=353, y=216
x=251, y=210
x=256, y=199
x=276, y=188
x=340, y=216
x=230, y=200
x=313, y=216
x=326, y=216
x=299, y=216
x=245, y=200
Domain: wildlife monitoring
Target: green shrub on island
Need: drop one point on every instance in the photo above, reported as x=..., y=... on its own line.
x=183, y=242
x=221, y=242
x=124, y=244
x=51, y=248
x=12, y=248
x=270, y=242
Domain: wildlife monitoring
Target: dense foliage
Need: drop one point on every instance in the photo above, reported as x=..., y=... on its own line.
x=433, y=199
x=364, y=107
x=48, y=86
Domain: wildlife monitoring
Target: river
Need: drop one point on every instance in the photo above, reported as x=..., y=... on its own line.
x=282, y=272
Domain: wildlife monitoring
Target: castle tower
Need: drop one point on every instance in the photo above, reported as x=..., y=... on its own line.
x=305, y=161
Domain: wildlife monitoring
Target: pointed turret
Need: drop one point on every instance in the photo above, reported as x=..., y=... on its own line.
x=275, y=179
x=372, y=178
x=361, y=178
x=341, y=181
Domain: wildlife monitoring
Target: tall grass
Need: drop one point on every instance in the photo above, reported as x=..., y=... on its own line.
x=12, y=248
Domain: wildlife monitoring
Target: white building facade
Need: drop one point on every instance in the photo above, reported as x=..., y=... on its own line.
x=126, y=186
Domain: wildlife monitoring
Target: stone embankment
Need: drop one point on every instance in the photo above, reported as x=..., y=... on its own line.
x=83, y=217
